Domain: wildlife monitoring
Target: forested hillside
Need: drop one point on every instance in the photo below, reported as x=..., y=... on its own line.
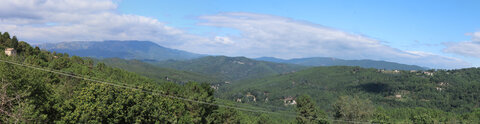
x=327, y=61
x=158, y=73
x=446, y=91
x=230, y=68
x=38, y=86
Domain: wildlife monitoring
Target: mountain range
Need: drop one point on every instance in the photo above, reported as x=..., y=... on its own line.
x=230, y=68
x=158, y=73
x=151, y=52
x=140, y=50
x=328, y=61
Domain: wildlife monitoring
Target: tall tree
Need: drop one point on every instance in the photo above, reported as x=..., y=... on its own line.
x=226, y=116
x=9, y=103
x=308, y=113
x=5, y=35
x=201, y=92
x=353, y=109
x=14, y=43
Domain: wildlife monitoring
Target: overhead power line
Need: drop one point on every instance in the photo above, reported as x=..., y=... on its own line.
x=169, y=96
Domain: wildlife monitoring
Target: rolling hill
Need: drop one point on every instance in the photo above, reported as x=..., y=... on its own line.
x=449, y=90
x=326, y=61
x=80, y=91
x=158, y=73
x=230, y=68
x=140, y=50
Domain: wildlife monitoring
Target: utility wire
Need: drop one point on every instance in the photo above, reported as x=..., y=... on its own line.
x=126, y=87
x=90, y=78
x=170, y=96
x=132, y=88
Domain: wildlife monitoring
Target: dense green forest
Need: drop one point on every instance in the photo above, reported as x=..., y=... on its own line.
x=448, y=93
x=50, y=87
x=31, y=95
x=230, y=68
x=158, y=73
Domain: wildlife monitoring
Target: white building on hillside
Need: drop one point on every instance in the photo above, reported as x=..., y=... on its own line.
x=10, y=52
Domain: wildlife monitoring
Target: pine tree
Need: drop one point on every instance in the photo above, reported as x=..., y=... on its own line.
x=308, y=113
x=14, y=43
x=5, y=35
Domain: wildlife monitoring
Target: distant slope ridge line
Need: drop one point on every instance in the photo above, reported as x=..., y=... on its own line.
x=132, y=49
x=330, y=61
x=438, y=89
x=230, y=68
x=158, y=73
x=148, y=51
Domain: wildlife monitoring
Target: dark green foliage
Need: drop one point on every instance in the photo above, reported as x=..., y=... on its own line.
x=353, y=109
x=264, y=119
x=451, y=91
x=100, y=103
x=7, y=42
x=230, y=68
x=158, y=73
x=45, y=97
x=380, y=117
x=415, y=115
x=308, y=113
x=226, y=116
x=200, y=92
x=448, y=90
x=14, y=42
x=473, y=117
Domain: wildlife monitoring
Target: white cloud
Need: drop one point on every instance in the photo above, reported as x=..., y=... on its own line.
x=466, y=48
x=268, y=35
x=223, y=40
x=476, y=36
x=75, y=20
x=260, y=35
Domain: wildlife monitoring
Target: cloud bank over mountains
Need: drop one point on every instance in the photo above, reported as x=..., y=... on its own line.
x=75, y=20
x=268, y=35
x=466, y=48
x=260, y=34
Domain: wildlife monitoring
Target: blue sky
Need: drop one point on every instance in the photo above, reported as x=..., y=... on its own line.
x=399, y=23
x=436, y=34
x=407, y=25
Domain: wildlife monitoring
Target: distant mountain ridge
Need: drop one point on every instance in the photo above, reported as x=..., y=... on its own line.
x=151, y=52
x=230, y=68
x=140, y=50
x=328, y=61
